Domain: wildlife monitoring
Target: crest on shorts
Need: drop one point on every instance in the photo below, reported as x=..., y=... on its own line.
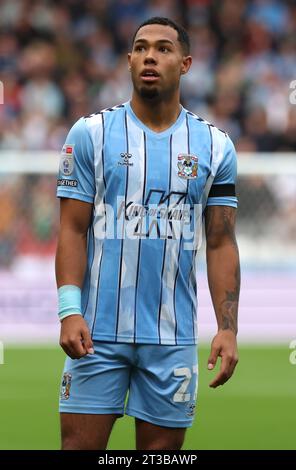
x=190, y=409
x=66, y=385
x=187, y=166
x=67, y=160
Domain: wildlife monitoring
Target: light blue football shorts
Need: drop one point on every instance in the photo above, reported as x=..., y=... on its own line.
x=160, y=381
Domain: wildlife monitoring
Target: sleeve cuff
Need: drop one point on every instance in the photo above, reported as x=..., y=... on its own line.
x=75, y=195
x=222, y=201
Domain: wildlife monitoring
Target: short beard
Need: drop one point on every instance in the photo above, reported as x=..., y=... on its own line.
x=149, y=93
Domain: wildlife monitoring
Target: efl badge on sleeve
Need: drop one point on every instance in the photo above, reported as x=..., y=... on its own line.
x=67, y=160
x=187, y=166
x=66, y=385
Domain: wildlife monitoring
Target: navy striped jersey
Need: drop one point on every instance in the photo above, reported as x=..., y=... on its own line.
x=148, y=190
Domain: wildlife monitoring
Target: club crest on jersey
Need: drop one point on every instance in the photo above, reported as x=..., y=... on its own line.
x=187, y=166
x=66, y=385
x=67, y=160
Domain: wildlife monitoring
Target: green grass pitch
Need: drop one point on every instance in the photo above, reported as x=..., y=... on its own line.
x=256, y=409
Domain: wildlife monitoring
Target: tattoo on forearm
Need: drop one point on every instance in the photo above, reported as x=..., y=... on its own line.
x=229, y=221
x=220, y=223
x=229, y=306
x=219, y=226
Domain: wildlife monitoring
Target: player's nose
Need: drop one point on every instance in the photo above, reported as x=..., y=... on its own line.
x=150, y=58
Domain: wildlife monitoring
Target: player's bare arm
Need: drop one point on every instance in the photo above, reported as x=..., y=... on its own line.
x=71, y=261
x=224, y=283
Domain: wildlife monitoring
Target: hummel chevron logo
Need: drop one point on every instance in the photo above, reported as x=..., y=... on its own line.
x=126, y=156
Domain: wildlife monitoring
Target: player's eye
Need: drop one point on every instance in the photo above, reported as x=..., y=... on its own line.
x=139, y=48
x=164, y=49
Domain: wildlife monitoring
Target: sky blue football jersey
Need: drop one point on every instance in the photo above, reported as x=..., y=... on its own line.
x=149, y=191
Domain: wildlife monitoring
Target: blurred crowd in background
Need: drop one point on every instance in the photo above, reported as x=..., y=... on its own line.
x=62, y=59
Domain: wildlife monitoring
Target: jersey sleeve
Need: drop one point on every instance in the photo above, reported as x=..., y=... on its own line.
x=222, y=192
x=76, y=177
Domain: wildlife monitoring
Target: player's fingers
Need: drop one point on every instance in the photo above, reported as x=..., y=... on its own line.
x=232, y=365
x=69, y=352
x=73, y=347
x=213, y=357
x=225, y=372
x=77, y=347
x=229, y=363
x=64, y=346
x=220, y=379
x=87, y=341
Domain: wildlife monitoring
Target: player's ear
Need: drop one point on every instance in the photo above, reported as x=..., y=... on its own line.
x=129, y=55
x=186, y=64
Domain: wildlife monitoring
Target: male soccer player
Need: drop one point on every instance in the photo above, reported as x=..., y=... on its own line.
x=135, y=182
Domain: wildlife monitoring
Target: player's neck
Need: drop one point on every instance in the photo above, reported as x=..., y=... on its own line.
x=158, y=116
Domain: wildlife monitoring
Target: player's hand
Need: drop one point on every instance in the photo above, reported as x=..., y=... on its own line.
x=223, y=345
x=75, y=337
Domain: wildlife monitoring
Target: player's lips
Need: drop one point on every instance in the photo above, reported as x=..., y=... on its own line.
x=149, y=75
